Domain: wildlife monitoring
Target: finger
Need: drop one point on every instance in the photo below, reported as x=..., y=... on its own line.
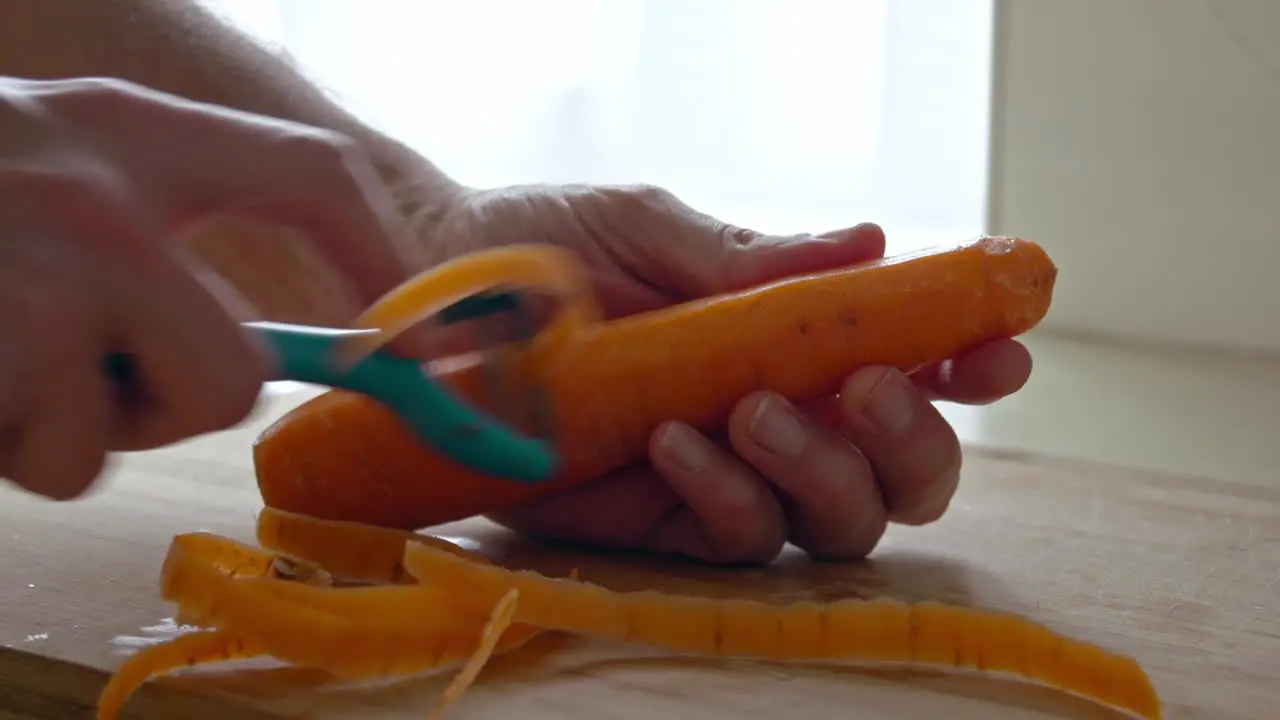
x=732, y=515
x=55, y=406
x=983, y=375
x=708, y=256
x=196, y=370
x=208, y=159
x=750, y=258
x=618, y=511
x=834, y=509
x=315, y=181
x=914, y=451
x=322, y=185
x=62, y=447
x=205, y=160
x=630, y=509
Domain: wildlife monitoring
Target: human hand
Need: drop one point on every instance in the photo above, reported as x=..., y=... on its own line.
x=96, y=177
x=839, y=469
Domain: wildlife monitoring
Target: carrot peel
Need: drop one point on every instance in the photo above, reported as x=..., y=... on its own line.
x=876, y=631
x=206, y=646
x=441, y=605
x=547, y=268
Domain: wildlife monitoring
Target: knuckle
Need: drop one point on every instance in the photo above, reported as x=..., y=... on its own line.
x=637, y=196
x=105, y=89
x=335, y=162
x=651, y=199
x=324, y=149
x=105, y=99
x=650, y=193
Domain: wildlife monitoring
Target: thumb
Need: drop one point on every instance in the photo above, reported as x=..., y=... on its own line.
x=749, y=258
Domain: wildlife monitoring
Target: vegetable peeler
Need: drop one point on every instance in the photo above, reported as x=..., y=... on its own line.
x=441, y=419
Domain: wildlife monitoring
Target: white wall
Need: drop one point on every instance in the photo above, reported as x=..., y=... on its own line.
x=1139, y=141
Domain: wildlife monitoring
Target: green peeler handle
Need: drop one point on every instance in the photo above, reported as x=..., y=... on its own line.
x=445, y=422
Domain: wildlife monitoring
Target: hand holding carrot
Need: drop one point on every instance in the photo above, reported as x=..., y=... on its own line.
x=827, y=478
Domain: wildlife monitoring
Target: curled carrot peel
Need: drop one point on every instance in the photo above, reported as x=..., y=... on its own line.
x=442, y=605
x=609, y=384
x=190, y=649
x=546, y=268
x=229, y=589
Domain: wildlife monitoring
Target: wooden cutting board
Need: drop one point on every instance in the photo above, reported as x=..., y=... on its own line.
x=1183, y=573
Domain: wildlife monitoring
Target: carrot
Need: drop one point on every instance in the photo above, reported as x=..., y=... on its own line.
x=342, y=456
x=460, y=608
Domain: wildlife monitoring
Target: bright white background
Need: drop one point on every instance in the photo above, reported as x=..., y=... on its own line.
x=805, y=115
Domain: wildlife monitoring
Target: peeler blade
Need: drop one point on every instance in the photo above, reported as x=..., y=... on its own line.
x=506, y=325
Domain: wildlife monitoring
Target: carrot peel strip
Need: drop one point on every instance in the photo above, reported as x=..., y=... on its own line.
x=503, y=613
x=418, y=624
x=877, y=631
x=350, y=632
x=543, y=267
x=190, y=649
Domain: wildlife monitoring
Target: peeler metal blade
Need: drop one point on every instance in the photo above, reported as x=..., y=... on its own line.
x=508, y=393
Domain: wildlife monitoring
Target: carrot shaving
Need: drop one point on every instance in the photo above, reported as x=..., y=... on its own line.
x=855, y=630
x=196, y=648
x=436, y=604
x=503, y=613
x=541, y=267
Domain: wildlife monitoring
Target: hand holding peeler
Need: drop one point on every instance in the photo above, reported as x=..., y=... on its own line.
x=444, y=421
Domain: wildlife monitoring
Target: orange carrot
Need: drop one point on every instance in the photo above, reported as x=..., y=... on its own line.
x=343, y=456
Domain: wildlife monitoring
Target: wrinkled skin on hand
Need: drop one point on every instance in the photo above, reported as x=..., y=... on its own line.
x=827, y=478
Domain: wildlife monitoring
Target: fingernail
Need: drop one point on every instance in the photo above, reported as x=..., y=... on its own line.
x=889, y=405
x=685, y=446
x=776, y=427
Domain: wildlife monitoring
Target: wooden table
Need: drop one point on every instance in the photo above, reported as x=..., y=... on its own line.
x=1182, y=573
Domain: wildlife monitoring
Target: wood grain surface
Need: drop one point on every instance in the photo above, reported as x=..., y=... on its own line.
x=1183, y=573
